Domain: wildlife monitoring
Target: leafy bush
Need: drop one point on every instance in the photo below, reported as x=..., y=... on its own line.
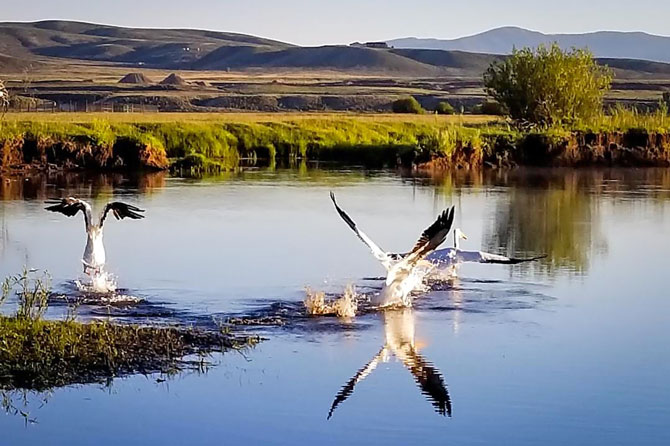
x=548, y=85
x=445, y=108
x=490, y=108
x=407, y=105
x=666, y=97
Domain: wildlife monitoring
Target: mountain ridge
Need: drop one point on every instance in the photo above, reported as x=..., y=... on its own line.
x=27, y=44
x=603, y=44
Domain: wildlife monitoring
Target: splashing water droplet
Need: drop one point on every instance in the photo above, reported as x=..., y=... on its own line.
x=101, y=283
x=344, y=306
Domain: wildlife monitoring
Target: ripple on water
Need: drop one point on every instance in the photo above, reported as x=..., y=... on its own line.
x=320, y=312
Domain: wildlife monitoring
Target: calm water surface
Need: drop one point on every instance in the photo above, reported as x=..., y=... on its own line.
x=571, y=350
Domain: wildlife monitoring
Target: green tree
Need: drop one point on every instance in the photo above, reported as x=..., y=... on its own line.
x=407, y=105
x=490, y=108
x=445, y=108
x=548, y=85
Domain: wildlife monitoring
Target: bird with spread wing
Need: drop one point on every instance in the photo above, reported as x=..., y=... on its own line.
x=94, y=253
x=405, y=272
x=449, y=259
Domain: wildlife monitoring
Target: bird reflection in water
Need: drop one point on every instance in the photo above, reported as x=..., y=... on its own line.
x=399, y=343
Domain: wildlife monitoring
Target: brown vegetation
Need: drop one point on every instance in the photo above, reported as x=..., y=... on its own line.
x=135, y=78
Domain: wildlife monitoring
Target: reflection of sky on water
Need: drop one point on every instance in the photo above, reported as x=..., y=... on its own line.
x=534, y=355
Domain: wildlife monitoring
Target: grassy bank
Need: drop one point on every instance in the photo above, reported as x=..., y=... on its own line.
x=210, y=142
x=220, y=141
x=39, y=354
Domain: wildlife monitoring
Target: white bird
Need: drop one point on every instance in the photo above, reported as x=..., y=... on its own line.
x=94, y=253
x=449, y=259
x=405, y=272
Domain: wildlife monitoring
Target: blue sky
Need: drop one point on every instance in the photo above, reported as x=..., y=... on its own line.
x=311, y=22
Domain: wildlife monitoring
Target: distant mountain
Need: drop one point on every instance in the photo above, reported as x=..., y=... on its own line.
x=24, y=46
x=604, y=44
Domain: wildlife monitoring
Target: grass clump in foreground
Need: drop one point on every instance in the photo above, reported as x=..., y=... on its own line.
x=38, y=354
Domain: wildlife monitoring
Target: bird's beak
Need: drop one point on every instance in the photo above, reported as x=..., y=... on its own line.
x=463, y=236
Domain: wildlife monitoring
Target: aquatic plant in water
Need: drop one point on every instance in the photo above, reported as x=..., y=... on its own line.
x=32, y=292
x=38, y=354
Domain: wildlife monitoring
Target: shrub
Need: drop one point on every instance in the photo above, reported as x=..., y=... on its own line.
x=445, y=108
x=490, y=108
x=407, y=105
x=666, y=97
x=548, y=85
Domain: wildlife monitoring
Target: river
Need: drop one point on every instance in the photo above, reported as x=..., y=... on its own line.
x=571, y=349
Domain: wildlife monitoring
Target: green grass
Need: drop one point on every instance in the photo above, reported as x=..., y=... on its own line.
x=39, y=354
x=210, y=142
x=216, y=142
x=621, y=119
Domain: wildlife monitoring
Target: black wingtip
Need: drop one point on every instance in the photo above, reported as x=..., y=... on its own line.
x=343, y=214
x=447, y=217
x=515, y=261
x=52, y=202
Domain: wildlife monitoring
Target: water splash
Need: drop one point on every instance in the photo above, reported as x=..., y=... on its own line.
x=102, y=289
x=101, y=283
x=345, y=306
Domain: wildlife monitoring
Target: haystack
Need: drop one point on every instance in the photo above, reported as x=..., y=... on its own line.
x=135, y=78
x=174, y=79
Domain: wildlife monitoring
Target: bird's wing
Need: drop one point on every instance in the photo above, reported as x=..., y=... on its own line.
x=428, y=378
x=121, y=211
x=432, y=237
x=446, y=255
x=379, y=253
x=70, y=206
x=486, y=257
x=346, y=390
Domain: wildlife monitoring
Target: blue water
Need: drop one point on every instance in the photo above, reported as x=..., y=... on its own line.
x=570, y=350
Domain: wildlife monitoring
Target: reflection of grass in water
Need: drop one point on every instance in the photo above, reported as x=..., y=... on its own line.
x=97, y=186
x=345, y=306
x=39, y=354
x=555, y=217
x=551, y=211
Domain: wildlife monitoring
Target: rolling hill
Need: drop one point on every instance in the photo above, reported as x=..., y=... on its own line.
x=151, y=47
x=604, y=44
x=28, y=45
x=324, y=57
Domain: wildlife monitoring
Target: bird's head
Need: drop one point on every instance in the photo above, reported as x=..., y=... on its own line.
x=458, y=236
